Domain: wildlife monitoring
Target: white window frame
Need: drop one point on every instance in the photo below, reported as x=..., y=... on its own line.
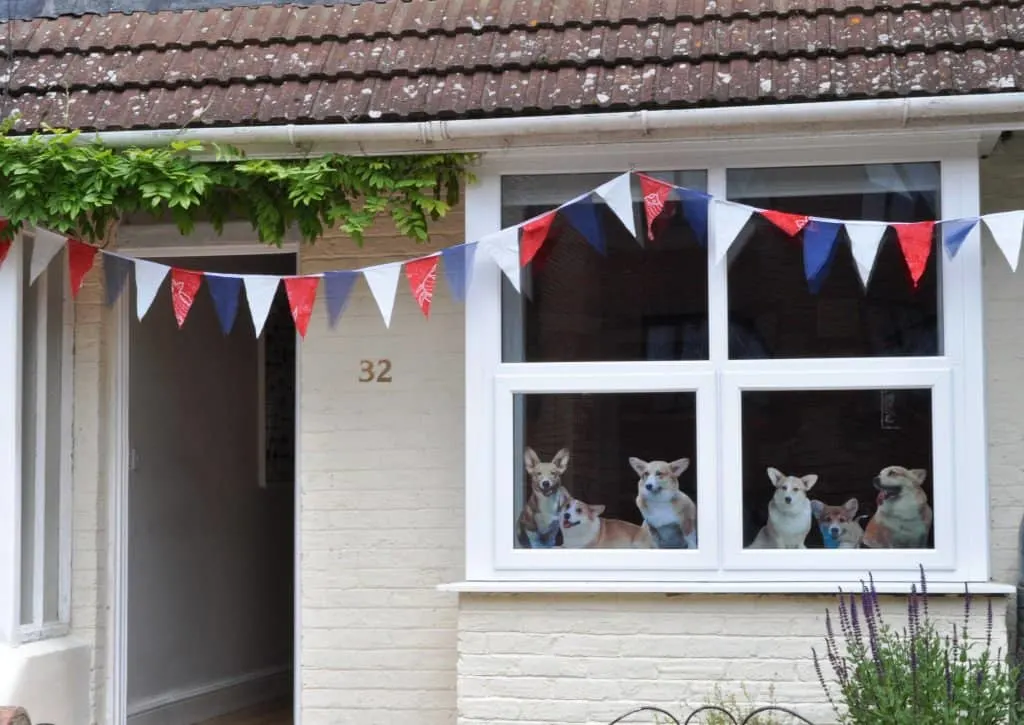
x=38, y=628
x=720, y=564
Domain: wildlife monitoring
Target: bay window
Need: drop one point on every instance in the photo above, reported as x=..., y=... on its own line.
x=652, y=412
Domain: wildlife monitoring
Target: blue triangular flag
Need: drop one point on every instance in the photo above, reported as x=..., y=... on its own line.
x=582, y=214
x=819, y=245
x=695, y=209
x=337, y=287
x=458, y=268
x=954, y=233
x=225, y=291
x=115, y=272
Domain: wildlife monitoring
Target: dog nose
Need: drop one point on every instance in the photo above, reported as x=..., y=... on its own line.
x=566, y=515
x=649, y=486
x=835, y=532
x=789, y=499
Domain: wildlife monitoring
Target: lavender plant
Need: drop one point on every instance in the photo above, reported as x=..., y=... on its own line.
x=916, y=674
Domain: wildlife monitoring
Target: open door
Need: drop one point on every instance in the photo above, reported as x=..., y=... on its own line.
x=210, y=572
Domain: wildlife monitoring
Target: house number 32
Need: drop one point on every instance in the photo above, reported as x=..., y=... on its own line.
x=378, y=371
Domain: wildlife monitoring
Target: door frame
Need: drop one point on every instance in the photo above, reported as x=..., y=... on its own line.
x=119, y=455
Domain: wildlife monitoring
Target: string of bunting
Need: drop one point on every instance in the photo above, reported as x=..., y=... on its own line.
x=712, y=220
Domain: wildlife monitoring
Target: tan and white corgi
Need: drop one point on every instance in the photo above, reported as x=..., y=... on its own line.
x=583, y=528
x=838, y=524
x=789, y=513
x=903, y=518
x=670, y=516
x=537, y=527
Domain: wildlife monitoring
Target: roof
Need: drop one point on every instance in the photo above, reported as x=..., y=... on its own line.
x=394, y=60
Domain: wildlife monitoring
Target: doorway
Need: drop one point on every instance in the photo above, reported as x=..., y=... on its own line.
x=208, y=589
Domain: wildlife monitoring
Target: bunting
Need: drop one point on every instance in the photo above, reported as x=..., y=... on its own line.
x=184, y=287
x=655, y=193
x=715, y=222
x=81, y=257
x=422, y=276
x=301, y=293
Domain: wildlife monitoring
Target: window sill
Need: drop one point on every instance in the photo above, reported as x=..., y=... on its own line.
x=697, y=587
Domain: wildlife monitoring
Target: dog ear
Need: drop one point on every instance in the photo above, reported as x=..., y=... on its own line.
x=809, y=480
x=775, y=475
x=817, y=507
x=531, y=459
x=678, y=467
x=639, y=466
x=852, y=507
x=597, y=510
x=918, y=474
x=561, y=460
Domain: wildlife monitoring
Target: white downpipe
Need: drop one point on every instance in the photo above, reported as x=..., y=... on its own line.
x=983, y=112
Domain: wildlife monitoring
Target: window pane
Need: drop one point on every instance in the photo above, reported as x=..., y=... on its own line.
x=593, y=468
x=54, y=436
x=837, y=469
x=640, y=301
x=29, y=418
x=769, y=298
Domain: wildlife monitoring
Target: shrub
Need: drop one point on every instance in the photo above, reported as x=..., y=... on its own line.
x=915, y=675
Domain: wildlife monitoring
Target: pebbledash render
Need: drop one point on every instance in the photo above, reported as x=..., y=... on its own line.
x=381, y=640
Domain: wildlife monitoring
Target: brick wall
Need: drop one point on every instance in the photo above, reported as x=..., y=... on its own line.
x=382, y=499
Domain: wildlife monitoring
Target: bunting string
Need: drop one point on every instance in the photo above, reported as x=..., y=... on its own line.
x=716, y=223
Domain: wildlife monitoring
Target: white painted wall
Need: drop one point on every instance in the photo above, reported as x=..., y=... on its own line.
x=210, y=552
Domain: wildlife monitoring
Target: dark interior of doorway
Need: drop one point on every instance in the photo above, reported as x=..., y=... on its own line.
x=211, y=566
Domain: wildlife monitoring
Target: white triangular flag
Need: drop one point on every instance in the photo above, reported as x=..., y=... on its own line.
x=45, y=247
x=503, y=247
x=148, y=278
x=260, y=290
x=383, y=281
x=865, y=238
x=1006, y=228
x=728, y=219
x=618, y=195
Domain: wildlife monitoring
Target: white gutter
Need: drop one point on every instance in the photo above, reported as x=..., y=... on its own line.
x=980, y=113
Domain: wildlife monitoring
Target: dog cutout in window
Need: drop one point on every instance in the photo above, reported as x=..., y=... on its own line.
x=670, y=516
x=538, y=527
x=789, y=513
x=838, y=524
x=583, y=528
x=903, y=519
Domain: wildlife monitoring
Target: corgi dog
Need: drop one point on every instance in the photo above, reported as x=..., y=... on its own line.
x=789, y=512
x=670, y=516
x=903, y=518
x=838, y=524
x=537, y=527
x=583, y=528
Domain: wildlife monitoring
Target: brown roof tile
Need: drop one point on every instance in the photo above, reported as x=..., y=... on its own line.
x=393, y=60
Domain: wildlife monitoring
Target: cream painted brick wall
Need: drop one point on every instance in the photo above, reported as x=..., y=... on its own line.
x=382, y=499
x=89, y=495
x=567, y=659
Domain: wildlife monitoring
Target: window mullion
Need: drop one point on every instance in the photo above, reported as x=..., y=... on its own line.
x=39, y=518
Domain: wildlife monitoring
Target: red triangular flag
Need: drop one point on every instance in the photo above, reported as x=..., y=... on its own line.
x=916, y=243
x=655, y=194
x=301, y=297
x=534, y=234
x=5, y=247
x=80, y=260
x=791, y=224
x=422, y=276
x=184, y=286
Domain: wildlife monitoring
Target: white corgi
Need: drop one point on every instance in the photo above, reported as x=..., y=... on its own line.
x=670, y=516
x=583, y=528
x=789, y=513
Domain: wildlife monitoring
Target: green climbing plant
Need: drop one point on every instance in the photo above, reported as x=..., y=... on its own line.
x=54, y=179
